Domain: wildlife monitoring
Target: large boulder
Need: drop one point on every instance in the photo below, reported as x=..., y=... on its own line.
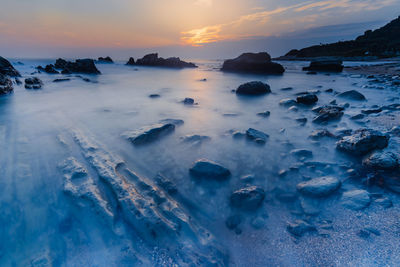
x=248, y=198
x=209, y=170
x=253, y=63
x=362, y=141
x=6, y=85
x=85, y=66
x=33, y=83
x=155, y=61
x=319, y=187
x=7, y=69
x=352, y=95
x=253, y=88
x=325, y=65
x=149, y=134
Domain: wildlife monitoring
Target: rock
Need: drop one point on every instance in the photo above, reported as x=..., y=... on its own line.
x=384, y=202
x=166, y=184
x=319, y=187
x=264, y=114
x=253, y=63
x=300, y=227
x=325, y=65
x=155, y=61
x=18, y=81
x=371, y=111
x=253, y=88
x=154, y=96
x=309, y=206
x=352, y=95
x=257, y=136
x=329, y=113
x=302, y=121
x=248, y=198
x=319, y=134
x=356, y=199
x=362, y=142
x=307, y=99
x=249, y=178
x=61, y=80
x=233, y=221
x=7, y=69
x=6, y=85
x=209, y=170
x=188, y=101
x=381, y=160
x=287, y=102
x=287, y=89
x=85, y=66
x=311, y=73
x=258, y=222
x=301, y=153
x=49, y=69
x=149, y=134
x=33, y=83
x=357, y=117
x=176, y=122
x=105, y=60
x=131, y=61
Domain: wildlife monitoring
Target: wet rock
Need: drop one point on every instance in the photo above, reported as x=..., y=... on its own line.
x=61, y=80
x=248, y=198
x=371, y=111
x=328, y=113
x=6, y=85
x=7, y=69
x=85, y=66
x=253, y=88
x=319, y=134
x=319, y=187
x=188, y=101
x=33, y=83
x=149, y=134
x=325, y=65
x=232, y=222
x=308, y=99
x=302, y=153
x=238, y=134
x=153, y=60
x=49, y=69
x=382, y=160
x=352, y=95
x=356, y=199
x=287, y=89
x=299, y=228
x=165, y=184
x=209, y=170
x=131, y=61
x=287, y=102
x=357, y=117
x=154, y=96
x=302, y=121
x=249, y=178
x=384, y=202
x=362, y=142
x=264, y=114
x=257, y=136
x=105, y=60
x=253, y=63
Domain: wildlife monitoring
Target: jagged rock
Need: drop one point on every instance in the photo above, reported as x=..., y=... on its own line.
x=172, y=62
x=253, y=88
x=85, y=66
x=6, y=85
x=33, y=83
x=362, y=142
x=352, y=95
x=257, y=136
x=50, y=69
x=325, y=65
x=329, y=113
x=131, y=61
x=299, y=227
x=319, y=187
x=248, y=198
x=382, y=160
x=149, y=134
x=307, y=99
x=318, y=134
x=206, y=169
x=253, y=63
x=105, y=60
x=7, y=69
x=356, y=199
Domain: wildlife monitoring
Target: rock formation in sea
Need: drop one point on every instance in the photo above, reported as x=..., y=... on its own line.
x=154, y=60
x=253, y=63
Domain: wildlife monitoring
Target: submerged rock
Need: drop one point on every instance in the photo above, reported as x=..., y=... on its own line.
x=105, y=60
x=356, y=199
x=319, y=134
x=155, y=61
x=248, y=198
x=7, y=69
x=325, y=65
x=149, y=134
x=257, y=136
x=33, y=83
x=299, y=227
x=362, y=142
x=6, y=85
x=253, y=88
x=319, y=187
x=329, y=113
x=209, y=170
x=302, y=153
x=85, y=66
x=307, y=99
x=352, y=95
x=195, y=139
x=381, y=160
x=253, y=63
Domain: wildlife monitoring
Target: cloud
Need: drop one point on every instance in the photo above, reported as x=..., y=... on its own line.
x=206, y=3
x=260, y=23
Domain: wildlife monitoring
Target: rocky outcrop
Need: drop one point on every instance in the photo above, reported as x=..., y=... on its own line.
x=50, y=69
x=253, y=88
x=149, y=134
x=319, y=187
x=6, y=85
x=85, y=66
x=362, y=142
x=253, y=63
x=33, y=83
x=131, y=61
x=209, y=170
x=7, y=69
x=248, y=198
x=154, y=61
x=325, y=65
x=105, y=60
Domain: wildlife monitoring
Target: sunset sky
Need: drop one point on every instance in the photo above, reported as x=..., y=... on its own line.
x=29, y=28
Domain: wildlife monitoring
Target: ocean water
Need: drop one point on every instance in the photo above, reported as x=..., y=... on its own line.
x=42, y=225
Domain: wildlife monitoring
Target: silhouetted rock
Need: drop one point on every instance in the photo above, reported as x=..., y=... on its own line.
x=6, y=85
x=253, y=63
x=155, y=61
x=362, y=142
x=253, y=88
x=105, y=60
x=307, y=99
x=131, y=61
x=149, y=134
x=33, y=83
x=50, y=69
x=352, y=95
x=248, y=198
x=7, y=69
x=325, y=65
x=209, y=170
x=319, y=187
x=85, y=66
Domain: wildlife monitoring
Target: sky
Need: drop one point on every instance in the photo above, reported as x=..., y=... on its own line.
x=187, y=28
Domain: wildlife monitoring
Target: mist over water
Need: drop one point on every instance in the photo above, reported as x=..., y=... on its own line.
x=41, y=225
